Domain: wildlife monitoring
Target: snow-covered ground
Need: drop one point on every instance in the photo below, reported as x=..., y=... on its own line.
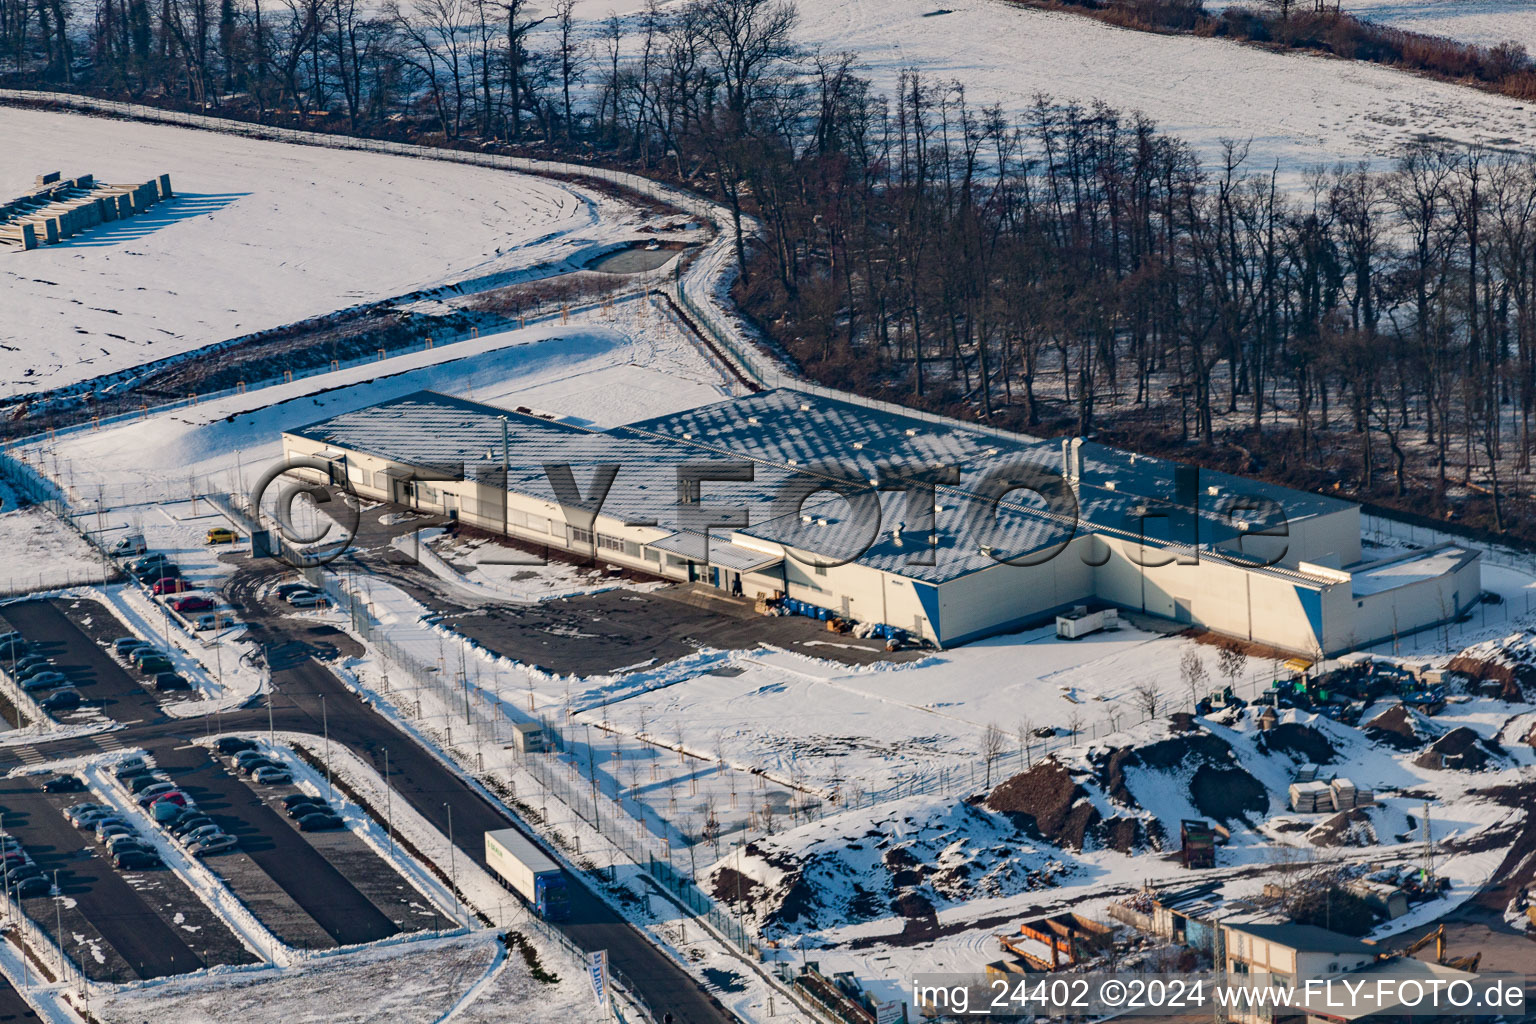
x=604, y=368
x=467, y=978
x=259, y=234
x=1483, y=22
x=42, y=553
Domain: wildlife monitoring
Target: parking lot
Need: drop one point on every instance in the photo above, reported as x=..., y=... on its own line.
x=54, y=629
x=308, y=888
x=118, y=925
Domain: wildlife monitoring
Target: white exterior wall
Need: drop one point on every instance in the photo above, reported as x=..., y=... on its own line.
x=1004, y=596
x=1211, y=593
x=1358, y=621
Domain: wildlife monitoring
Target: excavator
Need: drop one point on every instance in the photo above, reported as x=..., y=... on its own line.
x=1460, y=963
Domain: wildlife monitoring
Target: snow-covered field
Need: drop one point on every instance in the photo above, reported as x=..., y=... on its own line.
x=1293, y=110
x=1484, y=22
x=259, y=234
x=43, y=553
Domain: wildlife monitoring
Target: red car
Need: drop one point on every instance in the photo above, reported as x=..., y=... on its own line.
x=196, y=603
x=175, y=796
x=170, y=585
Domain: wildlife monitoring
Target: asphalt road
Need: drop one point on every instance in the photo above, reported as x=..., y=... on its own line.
x=431, y=789
x=13, y=1008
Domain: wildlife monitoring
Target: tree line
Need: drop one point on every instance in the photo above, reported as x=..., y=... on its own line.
x=1067, y=268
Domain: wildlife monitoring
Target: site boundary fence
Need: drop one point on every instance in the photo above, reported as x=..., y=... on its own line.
x=37, y=489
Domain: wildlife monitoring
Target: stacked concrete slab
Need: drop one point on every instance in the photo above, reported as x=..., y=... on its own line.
x=59, y=207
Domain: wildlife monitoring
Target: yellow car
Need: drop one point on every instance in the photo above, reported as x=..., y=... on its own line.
x=221, y=535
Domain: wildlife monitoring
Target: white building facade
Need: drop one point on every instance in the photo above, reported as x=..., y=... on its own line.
x=943, y=530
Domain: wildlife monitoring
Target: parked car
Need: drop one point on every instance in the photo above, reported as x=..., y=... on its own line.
x=132, y=766
x=195, y=603
x=63, y=784
x=244, y=754
x=13, y=648
x=117, y=844
x=66, y=699
x=309, y=600
x=30, y=888
x=320, y=822
x=169, y=585
x=157, y=572
x=33, y=668
x=286, y=590
x=189, y=823
x=292, y=800
x=175, y=796
x=147, y=651
x=233, y=744
x=148, y=561
x=129, y=546
x=136, y=860
x=167, y=681
x=139, y=783
x=221, y=535
x=200, y=833
x=22, y=873
x=298, y=811
x=250, y=768
x=106, y=829
x=217, y=844
x=166, y=811
x=153, y=666
x=44, y=681
x=272, y=776
x=149, y=794
x=9, y=635
x=213, y=620
x=85, y=815
x=28, y=661
x=124, y=645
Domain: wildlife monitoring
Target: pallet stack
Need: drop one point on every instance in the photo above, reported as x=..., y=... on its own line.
x=57, y=207
x=1310, y=797
x=1343, y=794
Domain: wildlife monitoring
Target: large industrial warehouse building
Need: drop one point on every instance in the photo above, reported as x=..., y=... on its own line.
x=948, y=531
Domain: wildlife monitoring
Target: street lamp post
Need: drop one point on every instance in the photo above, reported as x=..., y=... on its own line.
x=453, y=859
x=326, y=729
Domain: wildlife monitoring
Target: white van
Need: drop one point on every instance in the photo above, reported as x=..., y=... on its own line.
x=129, y=546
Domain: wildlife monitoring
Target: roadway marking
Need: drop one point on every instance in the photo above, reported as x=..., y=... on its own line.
x=108, y=741
x=30, y=756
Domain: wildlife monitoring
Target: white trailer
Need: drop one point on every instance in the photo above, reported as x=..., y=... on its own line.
x=527, y=871
x=1079, y=622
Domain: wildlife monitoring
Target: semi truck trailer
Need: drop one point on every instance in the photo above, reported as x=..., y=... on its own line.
x=528, y=871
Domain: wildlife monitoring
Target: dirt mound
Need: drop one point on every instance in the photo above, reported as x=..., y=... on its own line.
x=1226, y=793
x=1509, y=661
x=1401, y=728
x=1461, y=749
x=1300, y=740
x=1048, y=802
x=1347, y=828
x=1218, y=788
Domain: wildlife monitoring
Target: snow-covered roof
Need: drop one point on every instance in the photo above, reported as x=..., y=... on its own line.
x=1414, y=567
x=834, y=479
